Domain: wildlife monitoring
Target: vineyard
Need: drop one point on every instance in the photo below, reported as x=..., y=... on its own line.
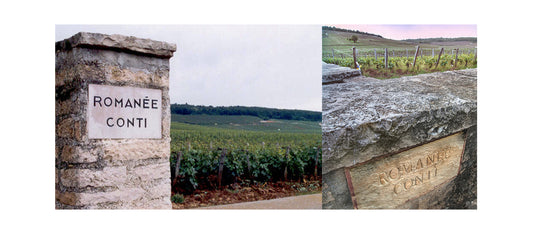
x=375, y=66
x=214, y=158
x=383, y=58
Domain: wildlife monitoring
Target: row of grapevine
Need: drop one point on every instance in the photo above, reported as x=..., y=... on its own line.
x=199, y=168
x=430, y=62
x=380, y=53
x=249, y=157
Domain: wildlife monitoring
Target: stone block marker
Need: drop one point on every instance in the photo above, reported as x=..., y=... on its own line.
x=112, y=122
x=405, y=143
x=332, y=73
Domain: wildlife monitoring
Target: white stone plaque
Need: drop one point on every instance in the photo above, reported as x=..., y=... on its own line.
x=123, y=112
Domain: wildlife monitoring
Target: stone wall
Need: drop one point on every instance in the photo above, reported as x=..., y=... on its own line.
x=367, y=120
x=110, y=173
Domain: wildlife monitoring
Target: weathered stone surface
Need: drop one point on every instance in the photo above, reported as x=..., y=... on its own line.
x=80, y=154
x=165, y=132
x=332, y=73
x=118, y=42
x=73, y=103
x=367, y=118
x=70, y=128
x=371, y=118
x=91, y=200
x=108, y=176
x=152, y=172
x=116, y=75
x=134, y=149
x=112, y=67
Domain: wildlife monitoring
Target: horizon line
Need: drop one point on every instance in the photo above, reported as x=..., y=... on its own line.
x=244, y=106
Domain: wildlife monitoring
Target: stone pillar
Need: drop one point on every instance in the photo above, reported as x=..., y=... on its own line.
x=112, y=122
x=405, y=143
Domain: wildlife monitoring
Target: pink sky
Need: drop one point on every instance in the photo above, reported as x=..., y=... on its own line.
x=414, y=31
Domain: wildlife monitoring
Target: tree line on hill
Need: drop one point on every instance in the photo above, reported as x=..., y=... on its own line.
x=261, y=112
x=333, y=28
x=441, y=39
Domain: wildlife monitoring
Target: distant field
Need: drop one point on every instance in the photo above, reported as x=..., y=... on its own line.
x=337, y=41
x=250, y=123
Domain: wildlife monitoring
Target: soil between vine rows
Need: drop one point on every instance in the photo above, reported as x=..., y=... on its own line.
x=237, y=193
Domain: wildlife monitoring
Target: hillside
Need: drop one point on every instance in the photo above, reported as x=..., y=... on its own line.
x=334, y=38
x=248, y=123
x=338, y=41
x=248, y=118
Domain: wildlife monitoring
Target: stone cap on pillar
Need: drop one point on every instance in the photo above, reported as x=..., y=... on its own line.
x=332, y=73
x=117, y=42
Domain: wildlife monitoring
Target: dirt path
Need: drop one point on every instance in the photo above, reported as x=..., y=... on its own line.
x=313, y=201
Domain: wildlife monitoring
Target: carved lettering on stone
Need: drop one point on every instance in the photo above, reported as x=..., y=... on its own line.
x=386, y=182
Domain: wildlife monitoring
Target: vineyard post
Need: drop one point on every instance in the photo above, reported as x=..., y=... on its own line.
x=333, y=52
x=438, y=59
x=375, y=54
x=221, y=166
x=286, y=163
x=386, y=59
x=433, y=52
x=316, y=162
x=416, y=55
x=178, y=162
x=354, y=57
x=455, y=62
x=406, y=53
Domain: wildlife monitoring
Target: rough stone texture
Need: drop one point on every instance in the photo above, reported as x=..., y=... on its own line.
x=332, y=73
x=109, y=173
x=367, y=118
x=134, y=149
x=118, y=42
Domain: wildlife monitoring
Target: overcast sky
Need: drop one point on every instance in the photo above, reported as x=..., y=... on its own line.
x=275, y=66
x=415, y=31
